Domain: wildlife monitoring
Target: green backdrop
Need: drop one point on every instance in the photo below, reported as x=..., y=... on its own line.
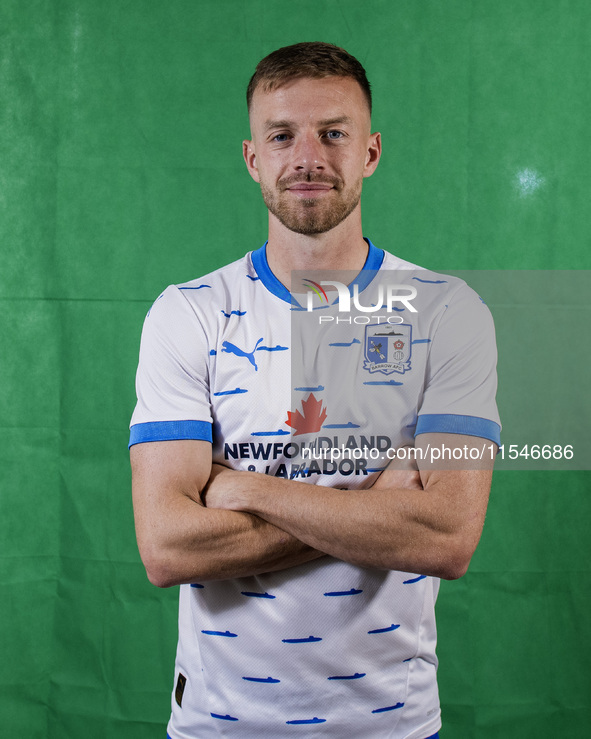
x=120, y=172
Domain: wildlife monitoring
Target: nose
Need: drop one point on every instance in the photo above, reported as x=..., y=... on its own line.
x=307, y=153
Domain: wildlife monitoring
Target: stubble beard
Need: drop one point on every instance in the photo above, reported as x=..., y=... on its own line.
x=311, y=216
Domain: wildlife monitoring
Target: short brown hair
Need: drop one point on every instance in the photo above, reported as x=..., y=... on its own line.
x=313, y=59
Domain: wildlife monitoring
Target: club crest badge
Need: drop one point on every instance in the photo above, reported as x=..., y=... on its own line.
x=388, y=348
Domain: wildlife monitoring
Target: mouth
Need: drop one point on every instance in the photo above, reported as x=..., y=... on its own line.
x=309, y=189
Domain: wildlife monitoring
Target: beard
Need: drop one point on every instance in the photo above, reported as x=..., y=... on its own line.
x=310, y=216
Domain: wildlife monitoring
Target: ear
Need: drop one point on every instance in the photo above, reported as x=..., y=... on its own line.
x=373, y=154
x=250, y=159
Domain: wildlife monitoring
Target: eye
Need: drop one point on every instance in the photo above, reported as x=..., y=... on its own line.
x=334, y=135
x=280, y=138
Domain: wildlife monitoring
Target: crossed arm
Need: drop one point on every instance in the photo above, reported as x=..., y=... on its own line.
x=427, y=522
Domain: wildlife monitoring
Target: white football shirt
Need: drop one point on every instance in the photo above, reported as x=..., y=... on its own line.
x=325, y=649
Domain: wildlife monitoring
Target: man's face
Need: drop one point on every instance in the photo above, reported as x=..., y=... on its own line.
x=311, y=148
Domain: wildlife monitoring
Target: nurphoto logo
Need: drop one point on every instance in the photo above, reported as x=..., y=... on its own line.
x=389, y=298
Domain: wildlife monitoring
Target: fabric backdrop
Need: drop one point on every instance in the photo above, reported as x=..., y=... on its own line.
x=120, y=172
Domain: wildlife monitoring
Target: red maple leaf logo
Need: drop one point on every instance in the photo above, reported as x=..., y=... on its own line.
x=312, y=418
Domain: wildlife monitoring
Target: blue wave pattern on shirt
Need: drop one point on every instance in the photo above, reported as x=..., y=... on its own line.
x=236, y=391
x=421, y=341
x=356, y=676
x=382, y=382
x=277, y=348
x=254, y=279
x=430, y=282
x=270, y=680
x=196, y=585
x=414, y=579
x=198, y=287
x=302, y=641
x=310, y=389
x=350, y=343
x=227, y=717
x=388, y=708
x=257, y=595
x=238, y=313
x=314, y=720
x=218, y=633
x=393, y=627
x=279, y=432
x=339, y=593
x=299, y=309
x=348, y=425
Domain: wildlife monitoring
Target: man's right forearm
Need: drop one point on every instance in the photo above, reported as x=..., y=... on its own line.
x=182, y=541
x=197, y=544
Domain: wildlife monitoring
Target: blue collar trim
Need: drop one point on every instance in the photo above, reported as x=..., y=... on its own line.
x=373, y=262
x=259, y=262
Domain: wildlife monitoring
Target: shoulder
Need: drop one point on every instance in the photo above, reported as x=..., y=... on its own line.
x=434, y=289
x=201, y=291
x=241, y=269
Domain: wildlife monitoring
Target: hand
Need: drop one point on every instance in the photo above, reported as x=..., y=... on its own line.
x=214, y=490
x=224, y=488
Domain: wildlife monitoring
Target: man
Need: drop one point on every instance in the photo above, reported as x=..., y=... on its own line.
x=305, y=607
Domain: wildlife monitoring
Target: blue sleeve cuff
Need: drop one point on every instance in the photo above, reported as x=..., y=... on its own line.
x=448, y=423
x=170, y=431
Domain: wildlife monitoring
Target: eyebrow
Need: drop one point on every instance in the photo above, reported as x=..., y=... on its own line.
x=276, y=124
x=323, y=124
x=335, y=121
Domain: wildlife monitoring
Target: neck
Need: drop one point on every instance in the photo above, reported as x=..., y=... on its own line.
x=341, y=248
